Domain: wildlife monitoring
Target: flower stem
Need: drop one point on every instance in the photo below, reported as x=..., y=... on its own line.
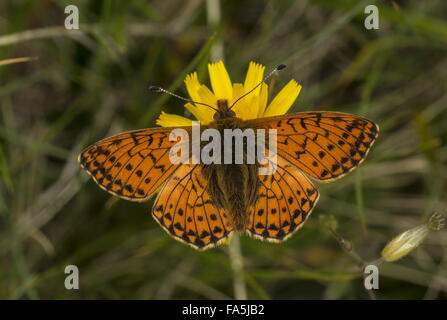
x=348, y=247
x=237, y=265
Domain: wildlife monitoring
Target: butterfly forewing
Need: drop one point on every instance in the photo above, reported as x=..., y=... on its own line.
x=324, y=145
x=131, y=165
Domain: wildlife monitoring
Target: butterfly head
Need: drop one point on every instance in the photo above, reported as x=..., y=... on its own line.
x=223, y=110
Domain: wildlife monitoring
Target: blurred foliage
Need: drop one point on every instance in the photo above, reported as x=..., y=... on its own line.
x=91, y=83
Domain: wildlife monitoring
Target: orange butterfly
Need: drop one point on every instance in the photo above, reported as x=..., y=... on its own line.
x=201, y=204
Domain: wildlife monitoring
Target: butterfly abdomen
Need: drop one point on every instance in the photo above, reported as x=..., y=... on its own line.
x=233, y=187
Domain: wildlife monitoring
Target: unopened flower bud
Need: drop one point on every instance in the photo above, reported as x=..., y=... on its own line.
x=401, y=245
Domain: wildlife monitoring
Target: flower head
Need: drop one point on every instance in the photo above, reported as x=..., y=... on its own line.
x=254, y=105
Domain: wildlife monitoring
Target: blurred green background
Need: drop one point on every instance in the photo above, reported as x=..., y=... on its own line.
x=88, y=84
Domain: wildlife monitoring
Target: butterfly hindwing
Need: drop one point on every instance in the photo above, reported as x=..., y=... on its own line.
x=324, y=145
x=131, y=165
x=186, y=211
x=285, y=200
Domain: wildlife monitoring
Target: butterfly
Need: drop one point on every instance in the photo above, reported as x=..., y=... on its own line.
x=202, y=205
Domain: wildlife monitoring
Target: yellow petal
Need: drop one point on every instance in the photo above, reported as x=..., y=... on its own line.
x=251, y=107
x=239, y=107
x=254, y=75
x=283, y=100
x=203, y=113
x=220, y=81
x=206, y=97
x=200, y=112
x=172, y=120
x=263, y=98
x=193, y=86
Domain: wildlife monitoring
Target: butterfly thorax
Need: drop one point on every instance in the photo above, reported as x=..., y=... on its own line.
x=233, y=187
x=223, y=110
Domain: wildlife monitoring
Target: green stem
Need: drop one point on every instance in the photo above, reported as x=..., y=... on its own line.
x=359, y=199
x=236, y=259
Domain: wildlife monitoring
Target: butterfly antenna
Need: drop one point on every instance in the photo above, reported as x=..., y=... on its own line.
x=158, y=89
x=278, y=68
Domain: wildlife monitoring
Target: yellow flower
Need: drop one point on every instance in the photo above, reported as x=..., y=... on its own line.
x=252, y=106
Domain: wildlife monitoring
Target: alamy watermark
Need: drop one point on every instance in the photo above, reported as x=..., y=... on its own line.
x=371, y=278
x=72, y=20
x=372, y=20
x=246, y=146
x=72, y=280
